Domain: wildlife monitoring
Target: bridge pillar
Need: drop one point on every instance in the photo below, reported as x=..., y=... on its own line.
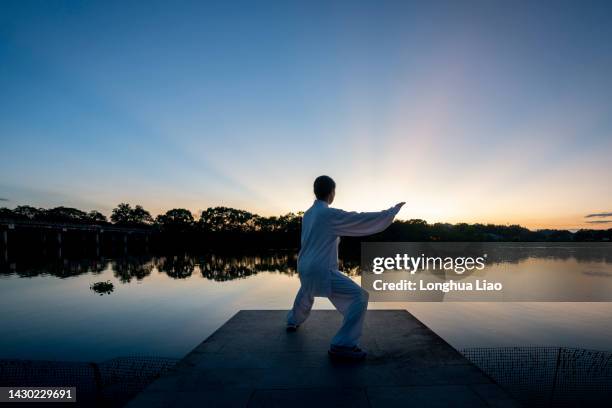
x=43, y=239
x=59, y=244
x=5, y=244
x=97, y=244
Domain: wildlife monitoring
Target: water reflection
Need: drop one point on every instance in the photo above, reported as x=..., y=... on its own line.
x=126, y=269
x=177, y=267
x=63, y=268
x=224, y=267
x=218, y=268
x=601, y=274
x=519, y=252
x=166, y=305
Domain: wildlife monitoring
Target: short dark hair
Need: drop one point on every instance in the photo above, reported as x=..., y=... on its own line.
x=323, y=186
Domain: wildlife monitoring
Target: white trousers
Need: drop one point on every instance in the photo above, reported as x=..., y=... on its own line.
x=348, y=298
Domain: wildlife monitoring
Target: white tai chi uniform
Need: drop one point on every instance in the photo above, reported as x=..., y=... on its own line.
x=322, y=227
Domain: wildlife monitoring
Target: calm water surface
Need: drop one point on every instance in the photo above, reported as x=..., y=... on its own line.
x=165, y=306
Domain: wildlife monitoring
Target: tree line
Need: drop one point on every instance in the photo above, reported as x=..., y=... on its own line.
x=214, y=219
x=224, y=225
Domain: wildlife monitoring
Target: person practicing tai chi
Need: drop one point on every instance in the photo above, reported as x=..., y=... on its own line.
x=322, y=227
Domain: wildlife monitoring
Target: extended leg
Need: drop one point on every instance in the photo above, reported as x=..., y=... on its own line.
x=352, y=301
x=301, y=308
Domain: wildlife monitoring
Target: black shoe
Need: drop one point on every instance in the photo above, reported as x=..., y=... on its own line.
x=291, y=328
x=347, y=353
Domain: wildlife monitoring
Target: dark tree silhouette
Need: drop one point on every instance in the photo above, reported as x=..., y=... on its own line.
x=124, y=214
x=177, y=219
x=177, y=267
x=265, y=224
x=230, y=228
x=62, y=214
x=27, y=212
x=7, y=213
x=126, y=269
x=226, y=219
x=57, y=214
x=96, y=217
x=290, y=222
x=141, y=216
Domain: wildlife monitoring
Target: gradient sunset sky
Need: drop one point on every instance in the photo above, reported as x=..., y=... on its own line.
x=470, y=111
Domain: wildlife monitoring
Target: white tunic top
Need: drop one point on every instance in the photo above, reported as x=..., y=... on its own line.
x=322, y=227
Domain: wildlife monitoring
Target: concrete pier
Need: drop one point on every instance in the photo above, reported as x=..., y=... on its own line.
x=252, y=362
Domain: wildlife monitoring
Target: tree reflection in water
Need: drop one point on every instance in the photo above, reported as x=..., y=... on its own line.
x=177, y=266
x=138, y=267
x=224, y=267
x=61, y=268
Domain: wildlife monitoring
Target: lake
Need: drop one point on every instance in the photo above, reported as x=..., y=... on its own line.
x=165, y=306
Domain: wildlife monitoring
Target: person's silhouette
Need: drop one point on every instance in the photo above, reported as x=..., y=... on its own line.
x=322, y=227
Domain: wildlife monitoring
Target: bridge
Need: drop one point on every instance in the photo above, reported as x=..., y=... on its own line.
x=45, y=234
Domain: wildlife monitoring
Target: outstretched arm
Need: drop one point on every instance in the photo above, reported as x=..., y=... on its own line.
x=355, y=224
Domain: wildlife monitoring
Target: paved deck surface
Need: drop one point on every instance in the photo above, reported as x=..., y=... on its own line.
x=252, y=362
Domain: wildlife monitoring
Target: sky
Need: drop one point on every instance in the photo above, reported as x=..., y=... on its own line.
x=471, y=111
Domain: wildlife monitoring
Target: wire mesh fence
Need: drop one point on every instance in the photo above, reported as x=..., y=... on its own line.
x=534, y=376
x=110, y=383
x=548, y=376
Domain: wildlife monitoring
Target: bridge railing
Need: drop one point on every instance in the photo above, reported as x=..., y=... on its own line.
x=12, y=223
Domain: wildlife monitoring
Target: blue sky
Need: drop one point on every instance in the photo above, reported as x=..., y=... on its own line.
x=469, y=111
